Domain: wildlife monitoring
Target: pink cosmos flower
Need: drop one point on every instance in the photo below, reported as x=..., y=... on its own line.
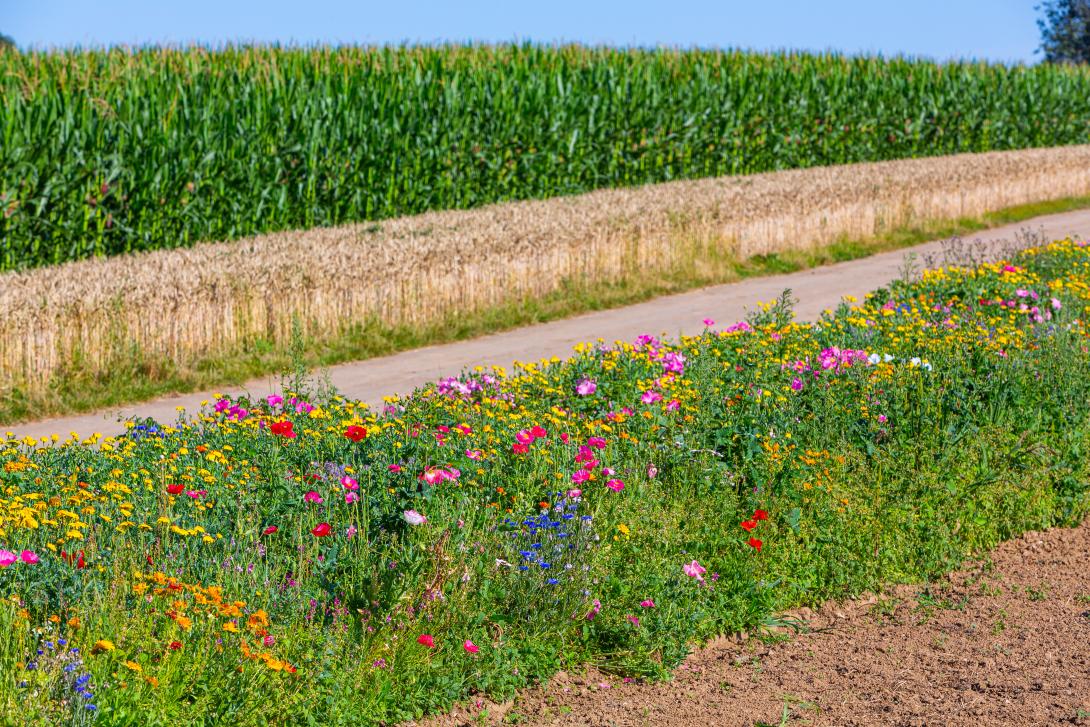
x=695, y=570
x=580, y=476
x=7, y=558
x=650, y=397
x=635, y=621
x=574, y=493
x=222, y=405
x=29, y=557
x=648, y=603
x=314, y=497
x=709, y=322
x=470, y=647
x=596, y=443
x=1056, y=305
x=349, y=483
x=274, y=400
x=414, y=518
x=586, y=387
x=673, y=405
x=475, y=454
x=350, y=497
x=524, y=437
x=615, y=485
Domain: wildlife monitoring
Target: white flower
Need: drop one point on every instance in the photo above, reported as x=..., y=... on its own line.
x=873, y=359
x=914, y=361
x=887, y=358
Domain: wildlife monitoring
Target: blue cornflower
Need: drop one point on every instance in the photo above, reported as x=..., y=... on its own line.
x=62, y=642
x=535, y=546
x=90, y=707
x=31, y=666
x=524, y=567
x=543, y=564
x=552, y=581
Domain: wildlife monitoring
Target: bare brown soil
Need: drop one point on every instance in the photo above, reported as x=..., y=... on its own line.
x=1003, y=642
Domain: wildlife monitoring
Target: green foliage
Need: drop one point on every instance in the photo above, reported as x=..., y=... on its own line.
x=1065, y=30
x=106, y=152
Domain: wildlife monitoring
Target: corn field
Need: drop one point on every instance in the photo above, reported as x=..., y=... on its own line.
x=187, y=304
x=108, y=152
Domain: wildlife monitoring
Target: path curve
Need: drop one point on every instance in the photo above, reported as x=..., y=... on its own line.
x=370, y=380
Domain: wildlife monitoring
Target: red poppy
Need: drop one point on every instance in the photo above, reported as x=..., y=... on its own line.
x=748, y=525
x=538, y=431
x=321, y=530
x=175, y=489
x=269, y=530
x=519, y=448
x=356, y=433
x=426, y=640
x=175, y=645
x=760, y=515
x=754, y=543
x=283, y=429
x=75, y=559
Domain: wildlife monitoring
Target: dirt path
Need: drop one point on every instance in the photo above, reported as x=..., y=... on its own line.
x=1004, y=642
x=370, y=380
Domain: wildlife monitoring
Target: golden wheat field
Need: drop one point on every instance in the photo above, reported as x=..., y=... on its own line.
x=187, y=303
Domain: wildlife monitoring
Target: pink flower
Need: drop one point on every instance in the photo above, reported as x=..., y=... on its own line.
x=594, y=609
x=414, y=518
x=7, y=558
x=274, y=400
x=394, y=467
x=695, y=570
x=673, y=405
x=314, y=497
x=615, y=485
x=586, y=387
x=796, y=384
x=580, y=476
x=1056, y=305
x=882, y=418
x=574, y=493
x=269, y=640
x=349, y=483
x=470, y=647
x=475, y=454
x=426, y=640
x=648, y=603
x=350, y=497
x=652, y=470
x=596, y=443
x=650, y=397
x=352, y=530
x=29, y=557
x=635, y=621
x=709, y=322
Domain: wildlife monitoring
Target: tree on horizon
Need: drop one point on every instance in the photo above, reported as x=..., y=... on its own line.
x=6, y=41
x=1065, y=30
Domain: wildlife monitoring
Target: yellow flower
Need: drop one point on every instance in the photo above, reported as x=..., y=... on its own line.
x=231, y=627
x=102, y=645
x=134, y=666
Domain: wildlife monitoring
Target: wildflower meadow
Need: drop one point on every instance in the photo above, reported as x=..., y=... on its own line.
x=304, y=559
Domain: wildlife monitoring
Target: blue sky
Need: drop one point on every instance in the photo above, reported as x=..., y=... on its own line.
x=1000, y=30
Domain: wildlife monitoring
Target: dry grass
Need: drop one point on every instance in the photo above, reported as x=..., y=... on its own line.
x=182, y=305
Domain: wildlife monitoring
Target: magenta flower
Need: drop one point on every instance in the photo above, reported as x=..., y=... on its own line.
x=594, y=609
x=29, y=557
x=586, y=387
x=695, y=570
x=1056, y=305
x=648, y=603
x=350, y=497
x=7, y=558
x=709, y=322
x=796, y=385
x=615, y=485
x=274, y=400
x=574, y=493
x=650, y=397
x=580, y=476
x=349, y=483
x=470, y=647
x=475, y=454
x=314, y=497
